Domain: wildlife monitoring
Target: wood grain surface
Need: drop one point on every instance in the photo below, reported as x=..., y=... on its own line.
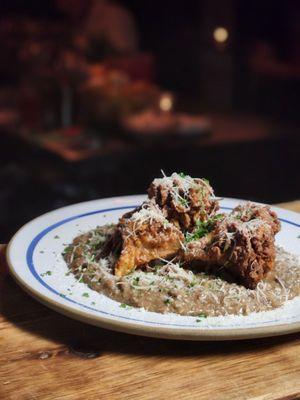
x=47, y=356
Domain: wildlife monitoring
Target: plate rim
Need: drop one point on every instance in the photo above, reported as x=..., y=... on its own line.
x=131, y=327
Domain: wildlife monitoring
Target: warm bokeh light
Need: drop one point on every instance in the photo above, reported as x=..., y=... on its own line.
x=220, y=34
x=166, y=102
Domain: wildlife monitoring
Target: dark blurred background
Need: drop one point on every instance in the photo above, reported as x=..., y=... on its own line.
x=97, y=96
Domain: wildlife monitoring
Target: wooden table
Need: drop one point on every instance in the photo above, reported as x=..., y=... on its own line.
x=47, y=356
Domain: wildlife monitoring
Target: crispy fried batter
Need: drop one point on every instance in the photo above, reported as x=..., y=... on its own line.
x=149, y=242
x=244, y=249
x=142, y=236
x=184, y=200
x=248, y=211
x=240, y=243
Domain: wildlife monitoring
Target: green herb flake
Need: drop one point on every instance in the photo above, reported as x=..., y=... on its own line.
x=183, y=202
x=93, y=303
x=81, y=280
x=47, y=273
x=167, y=301
x=67, y=250
x=42, y=252
x=136, y=281
x=201, y=317
x=123, y=305
x=67, y=273
x=85, y=294
x=56, y=237
x=156, y=268
x=182, y=175
x=203, y=228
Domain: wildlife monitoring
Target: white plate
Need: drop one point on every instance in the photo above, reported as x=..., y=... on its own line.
x=36, y=249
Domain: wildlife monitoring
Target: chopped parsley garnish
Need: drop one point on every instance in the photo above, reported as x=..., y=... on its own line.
x=47, y=273
x=93, y=303
x=67, y=273
x=42, y=252
x=238, y=216
x=157, y=267
x=56, y=237
x=81, y=280
x=123, y=305
x=202, y=228
x=183, y=202
x=201, y=317
x=182, y=175
x=167, y=301
x=136, y=281
x=85, y=294
x=67, y=250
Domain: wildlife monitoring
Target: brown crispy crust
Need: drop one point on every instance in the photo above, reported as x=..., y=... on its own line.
x=247, y=256
x=198, y=204
x=242, y=244
x=141, y=236
x=248, y=211
x=146, y=243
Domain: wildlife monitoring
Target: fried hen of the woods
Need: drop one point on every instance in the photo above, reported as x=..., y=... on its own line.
x=184, y=200
x=180, y=219
x=142, y=236
x=241, y=244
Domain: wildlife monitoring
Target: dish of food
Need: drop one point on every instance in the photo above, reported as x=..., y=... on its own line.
x=153, y=123
x=179, y=263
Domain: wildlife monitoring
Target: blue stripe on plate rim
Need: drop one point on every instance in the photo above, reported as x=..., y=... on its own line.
x=39, y=236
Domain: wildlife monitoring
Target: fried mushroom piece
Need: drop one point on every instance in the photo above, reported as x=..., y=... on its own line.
x=243, y=250
x=249, y=211
x=142, y=236
x=184, y=200
x=241, y=244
